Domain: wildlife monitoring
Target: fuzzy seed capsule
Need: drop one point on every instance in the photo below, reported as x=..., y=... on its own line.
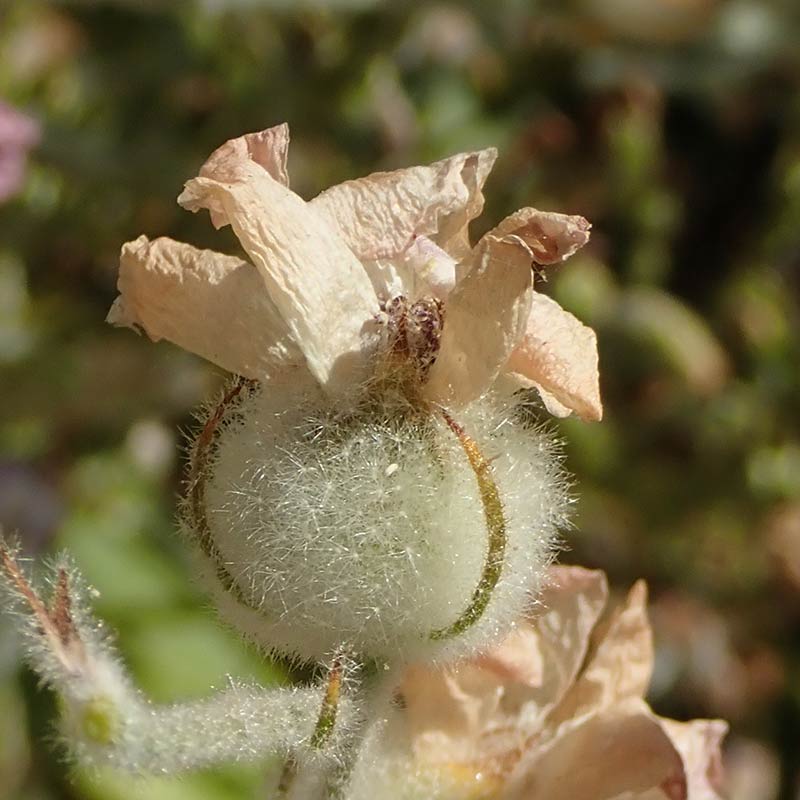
x=372, y=527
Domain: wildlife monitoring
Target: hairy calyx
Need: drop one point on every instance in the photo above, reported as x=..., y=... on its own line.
x=394, y=528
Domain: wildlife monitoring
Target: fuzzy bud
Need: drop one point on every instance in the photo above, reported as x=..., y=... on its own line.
x=374, y=526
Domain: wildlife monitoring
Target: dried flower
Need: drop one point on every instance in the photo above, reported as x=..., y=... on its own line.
x=555, y=711
x=324, y=268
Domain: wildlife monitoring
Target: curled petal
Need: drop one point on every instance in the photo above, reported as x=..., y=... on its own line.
x=550, y=403
x=267, y=148
x=559, y=354
x=620, y=663
x=210, y=304
x=485, y=318
x=546, y=653
x=379, y=215
x=620, y=752
x=423, y=269
x=551, y=237
x=317, y=285
x=479, y=711
x=448, y=711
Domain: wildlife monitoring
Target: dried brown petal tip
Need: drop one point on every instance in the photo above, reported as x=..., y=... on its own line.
x=551, y=237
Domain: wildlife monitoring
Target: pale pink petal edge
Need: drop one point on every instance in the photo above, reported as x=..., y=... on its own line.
x=559, y=354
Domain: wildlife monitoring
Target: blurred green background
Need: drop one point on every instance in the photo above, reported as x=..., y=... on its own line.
x=673, y=125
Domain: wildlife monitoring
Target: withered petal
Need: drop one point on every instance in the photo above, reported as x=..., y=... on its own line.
x=546, y=652
x=559, y=354
x=268, y=148
x=432, y=269
x=447, y=710
x=699, y=744
x=318, y=286
x=485, y=318
x=551, y=237
x=619, y=664
x=379, y=215
x=210, y=304
x=621, y=751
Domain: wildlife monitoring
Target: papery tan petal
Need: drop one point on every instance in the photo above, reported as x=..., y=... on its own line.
x=445, y=719
x=485, y=318
x=559, y=354
x=541, y=659
x=551, y=237
x=453, y=715
x=699, y=744
x=268, y=148
x=210, y=304
x=479, y=711
x=423, y=269
x=620, y=752
x=508, y=384
x=318, y=286
x=619, y=664
x=511, y=382
x=551, y=404
x=379, y=215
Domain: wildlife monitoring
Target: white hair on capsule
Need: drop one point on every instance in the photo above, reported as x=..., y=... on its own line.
x=368, y=528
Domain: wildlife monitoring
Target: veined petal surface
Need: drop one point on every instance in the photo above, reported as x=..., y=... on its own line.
x=485, y=319
x=551, y=237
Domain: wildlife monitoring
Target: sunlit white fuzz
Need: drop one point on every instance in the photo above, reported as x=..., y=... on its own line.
x=368, y=528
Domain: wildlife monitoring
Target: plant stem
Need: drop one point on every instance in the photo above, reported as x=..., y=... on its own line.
x=330, y=704
x=375, y=691
x=326, y=722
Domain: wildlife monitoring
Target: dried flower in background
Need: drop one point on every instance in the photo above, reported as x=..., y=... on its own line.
x=555, y=711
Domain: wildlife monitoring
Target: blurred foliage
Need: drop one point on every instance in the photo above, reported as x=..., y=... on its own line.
x=674, y=126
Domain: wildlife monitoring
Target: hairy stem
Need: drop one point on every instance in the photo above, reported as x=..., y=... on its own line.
x=330, y=704
x=376, y=690
x=326, y=722
x=106, y=721
x=495, y=526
